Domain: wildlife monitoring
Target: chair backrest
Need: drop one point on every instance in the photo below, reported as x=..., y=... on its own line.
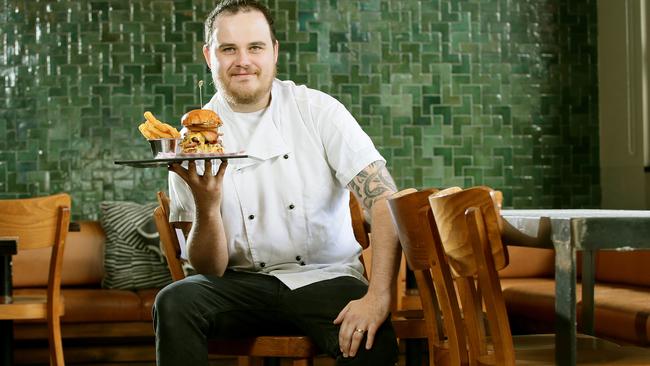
x=475, y=248
x=171, y=246
x=168, y=238
x=418, y=235
x=35, y=220
x=452, y=227
x=39, y=223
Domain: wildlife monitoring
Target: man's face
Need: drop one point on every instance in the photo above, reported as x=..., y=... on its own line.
x=242, y=57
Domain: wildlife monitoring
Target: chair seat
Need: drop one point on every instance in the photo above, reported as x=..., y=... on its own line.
x=409, y=328
x=409, y=313
x=26, y=307
x=266, y=346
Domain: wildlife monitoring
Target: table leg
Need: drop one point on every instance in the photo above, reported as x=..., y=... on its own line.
x=6, y=345
x=588, y=283
x=5, y=278
x=6, y=326
x=565, y=304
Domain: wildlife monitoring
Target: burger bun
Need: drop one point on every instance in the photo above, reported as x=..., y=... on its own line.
x=201, y=119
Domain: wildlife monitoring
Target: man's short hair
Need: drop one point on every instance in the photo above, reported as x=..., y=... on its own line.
x=233, y=7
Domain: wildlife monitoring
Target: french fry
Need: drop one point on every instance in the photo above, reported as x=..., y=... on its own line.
x=164, y=128
x=149, y=117
x=150, y=132
x=156, y=133
x=143, y=131
x=152, y=128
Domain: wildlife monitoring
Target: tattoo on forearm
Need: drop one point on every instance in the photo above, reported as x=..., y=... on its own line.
x=371, y=183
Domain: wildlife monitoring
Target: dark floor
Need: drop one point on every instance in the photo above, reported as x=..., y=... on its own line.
x=319, y=361
x=36, y=356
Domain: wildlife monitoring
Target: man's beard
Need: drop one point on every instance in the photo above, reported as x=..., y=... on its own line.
x=243, y=96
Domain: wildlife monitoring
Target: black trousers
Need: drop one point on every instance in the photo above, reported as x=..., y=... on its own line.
x=188, y=312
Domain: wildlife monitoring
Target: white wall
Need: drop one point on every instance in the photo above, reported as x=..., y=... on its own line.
x=623, y=79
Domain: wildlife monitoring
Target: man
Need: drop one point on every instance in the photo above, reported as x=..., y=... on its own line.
x=271, y=235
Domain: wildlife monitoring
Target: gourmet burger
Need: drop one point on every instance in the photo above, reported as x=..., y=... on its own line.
x=201, y=134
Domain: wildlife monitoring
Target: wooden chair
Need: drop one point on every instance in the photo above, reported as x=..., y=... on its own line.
x=413, y=221
x=251, y=351
x=39, y=223
x=469, y=230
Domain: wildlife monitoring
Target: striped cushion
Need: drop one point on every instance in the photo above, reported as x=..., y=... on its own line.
x=132, y=256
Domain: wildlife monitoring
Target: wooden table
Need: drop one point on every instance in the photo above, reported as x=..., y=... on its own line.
x=8, y=247
x=569, y=231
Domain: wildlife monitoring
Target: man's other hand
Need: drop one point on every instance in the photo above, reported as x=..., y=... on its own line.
x=360, y=319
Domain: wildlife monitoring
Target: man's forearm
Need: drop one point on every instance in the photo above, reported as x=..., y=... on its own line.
x=372, y=186
x=385, y=250
x=206, y=245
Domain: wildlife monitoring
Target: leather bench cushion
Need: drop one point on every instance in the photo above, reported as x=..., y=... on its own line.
x=83, y=260
x=530, y=298
x=629, y=268
x=621, y=312
x=147, y=297
x=99, y=305
x=529, y=262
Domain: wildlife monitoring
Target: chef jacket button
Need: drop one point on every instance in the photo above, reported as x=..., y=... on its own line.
x=298, y=258
x=302, y=263
x=262, y=264
x=250, y=217
x=291, y=206
x=286, y=156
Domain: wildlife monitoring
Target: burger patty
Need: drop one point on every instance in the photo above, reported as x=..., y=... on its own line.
x=202, y=141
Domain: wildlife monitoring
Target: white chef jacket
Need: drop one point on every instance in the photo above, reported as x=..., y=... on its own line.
x=285, y=209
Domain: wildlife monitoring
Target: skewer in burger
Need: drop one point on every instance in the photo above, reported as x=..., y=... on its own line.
x=201, y=134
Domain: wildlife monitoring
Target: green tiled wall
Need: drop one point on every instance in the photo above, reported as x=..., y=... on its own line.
x=454, y=92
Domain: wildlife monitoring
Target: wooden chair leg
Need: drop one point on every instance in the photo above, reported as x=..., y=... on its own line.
x=56, y=345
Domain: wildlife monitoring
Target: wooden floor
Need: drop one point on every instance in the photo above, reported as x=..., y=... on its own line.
x=135, y=356
x=319, y=361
